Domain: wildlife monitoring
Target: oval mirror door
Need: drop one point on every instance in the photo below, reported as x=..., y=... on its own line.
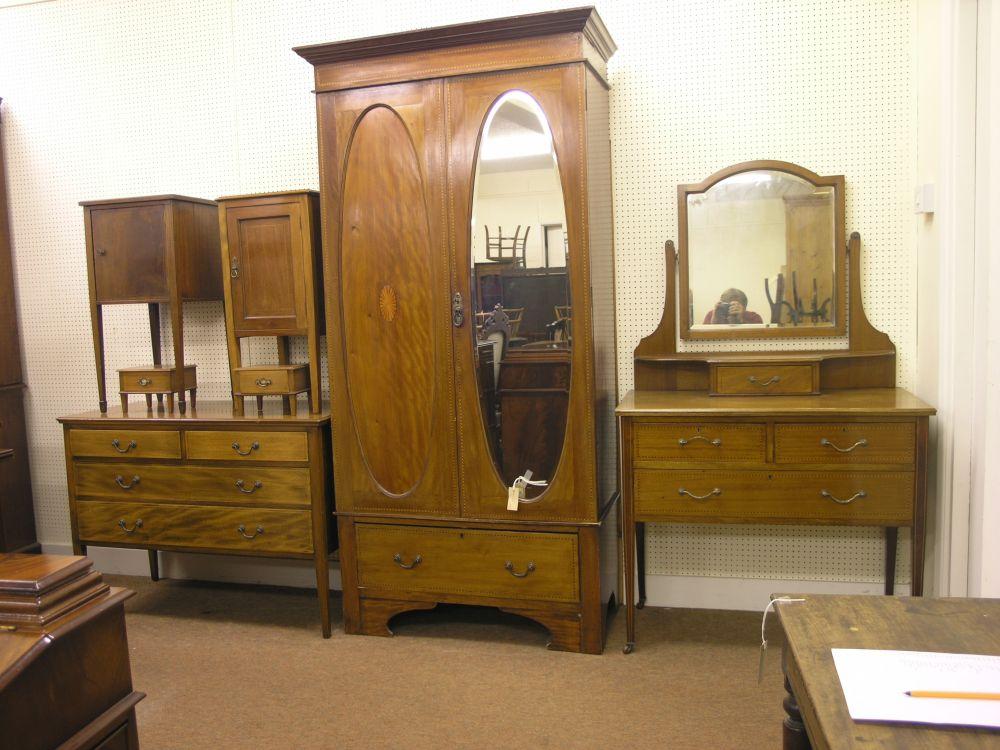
x=523, y=331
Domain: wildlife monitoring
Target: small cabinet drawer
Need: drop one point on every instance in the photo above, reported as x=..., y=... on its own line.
x=697, y=442
x=196, y=526
x=765, y=379
x=250, y=485
x=845, y=443
x=271, y=380
x=508, y=565
x=775, y=497
x=125, y=443
x=256, y=445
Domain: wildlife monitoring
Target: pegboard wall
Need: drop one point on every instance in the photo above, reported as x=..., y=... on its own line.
x=206, y=98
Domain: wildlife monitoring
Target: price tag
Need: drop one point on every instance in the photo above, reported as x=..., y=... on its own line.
x=513, y=497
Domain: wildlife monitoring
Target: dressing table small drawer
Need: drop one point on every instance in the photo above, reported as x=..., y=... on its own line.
x=698, y=442
x=765, y=379
x=845, y=443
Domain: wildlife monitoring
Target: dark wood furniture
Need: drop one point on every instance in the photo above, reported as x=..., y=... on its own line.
x=65, y=679
x=17, y=514
x=273, y=287
x=422, y=511
x=818, y=437
x=162, y=248
x=817, y=714
x=210, y=481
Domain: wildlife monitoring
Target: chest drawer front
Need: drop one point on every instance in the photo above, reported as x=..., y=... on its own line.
x=515, y=565
x=250, y=485
x=775, y=497
x=764, y=379
x=655, y=442
x=250, y=445
x=125, y=443
x=845, y=443
x=196, y=526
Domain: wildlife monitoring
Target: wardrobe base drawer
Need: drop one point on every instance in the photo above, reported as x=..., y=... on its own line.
x=876, y=498
x=493, y=564
x=195, y=526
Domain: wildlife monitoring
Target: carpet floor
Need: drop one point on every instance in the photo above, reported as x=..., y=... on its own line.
x=227, y=666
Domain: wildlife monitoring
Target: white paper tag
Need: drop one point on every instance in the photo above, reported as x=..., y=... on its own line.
x=513, y=498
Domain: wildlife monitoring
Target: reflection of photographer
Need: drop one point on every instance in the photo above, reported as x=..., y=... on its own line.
x=731, y=309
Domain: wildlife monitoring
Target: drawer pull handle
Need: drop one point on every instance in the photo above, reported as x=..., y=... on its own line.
x=764, y=383
x=860, y=444
x=253, y=446
x=398, y=559
x=120, y=480
x=145, y=381
x=263, y=382
x=715, y=491
x=509, y=567
x=117, y=445
x=717, y=442
x=243, y=532
x=126, y=529
x=848, y=501
x=240, y=484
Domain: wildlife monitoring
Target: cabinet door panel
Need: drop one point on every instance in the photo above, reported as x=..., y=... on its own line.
x=266, y=269
x=558, y=92
x=129, y=247
x=388, y=294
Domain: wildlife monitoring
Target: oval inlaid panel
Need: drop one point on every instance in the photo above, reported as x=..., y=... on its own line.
x=386, y=272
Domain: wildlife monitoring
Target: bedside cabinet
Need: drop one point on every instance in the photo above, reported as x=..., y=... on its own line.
x=205, y=482
x=273, y=287
x=157, y=249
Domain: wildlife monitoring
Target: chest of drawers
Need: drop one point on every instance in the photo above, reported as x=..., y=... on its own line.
x=207, y=481
x=848, y=458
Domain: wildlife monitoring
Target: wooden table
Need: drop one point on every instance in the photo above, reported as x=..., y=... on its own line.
x=817, y=712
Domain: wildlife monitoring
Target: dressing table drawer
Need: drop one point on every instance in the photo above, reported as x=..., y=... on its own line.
x=845, y=443
x=495, y=564
x=125, y=443
x=258, y=445
x=698, y=442
x=775, y=497
x=765, y=379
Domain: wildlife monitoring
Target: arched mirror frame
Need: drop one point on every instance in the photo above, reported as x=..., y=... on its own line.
x=839, y=328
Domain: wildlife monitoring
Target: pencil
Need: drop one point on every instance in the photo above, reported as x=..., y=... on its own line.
x=953, y=694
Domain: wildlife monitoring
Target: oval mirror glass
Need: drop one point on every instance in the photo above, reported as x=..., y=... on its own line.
x=523, y=331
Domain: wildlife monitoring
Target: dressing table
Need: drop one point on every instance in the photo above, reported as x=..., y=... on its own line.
x=768, y=437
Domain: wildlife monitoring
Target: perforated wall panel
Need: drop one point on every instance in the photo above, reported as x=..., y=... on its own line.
x=206, y=98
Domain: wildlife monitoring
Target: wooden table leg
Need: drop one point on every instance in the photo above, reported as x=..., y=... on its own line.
x=793, y=731
x=97, y=328
x=640, y=561
x=154, y=565
x=124, y=397
x=891, y=536
x=194, y=398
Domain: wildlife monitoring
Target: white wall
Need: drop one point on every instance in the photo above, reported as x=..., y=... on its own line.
x=205, y=97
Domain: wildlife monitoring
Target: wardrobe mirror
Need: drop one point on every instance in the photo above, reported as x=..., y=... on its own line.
x=523, y=330
x=762, y=253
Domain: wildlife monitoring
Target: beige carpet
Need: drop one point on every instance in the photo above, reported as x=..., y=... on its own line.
x=229, y=666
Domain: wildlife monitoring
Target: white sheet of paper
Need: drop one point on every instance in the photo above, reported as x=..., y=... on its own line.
x=875, y=684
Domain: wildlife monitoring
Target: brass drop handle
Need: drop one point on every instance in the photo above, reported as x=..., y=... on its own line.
x=509, y=567
x=243, y=532
x=848, y=501
x=764, y=383
x=398, y=559
x=717, y=442
x=457, y=311
x=253, y=446
x=263, y=382
x=135, y=526
x=242, y=488
x=132, y=482
x=715, y=491
x=860, y=444
x=116, y=444
x=145, y=381
x=234, y=268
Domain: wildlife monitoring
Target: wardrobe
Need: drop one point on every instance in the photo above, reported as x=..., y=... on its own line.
x=447, y=406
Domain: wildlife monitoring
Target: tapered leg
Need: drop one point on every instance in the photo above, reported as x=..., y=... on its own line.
x=918, y=530
x=170, y=402
x=628, y=532
x=154, y=565
x=260, y=406
x=315, y=387
x=194, y=398
x=154, y=336
x=293, y=404
x=149, y=401
x=640, y=561
x=124, y=397
x=177, y=326
x=891, y=535
x=97, y=329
